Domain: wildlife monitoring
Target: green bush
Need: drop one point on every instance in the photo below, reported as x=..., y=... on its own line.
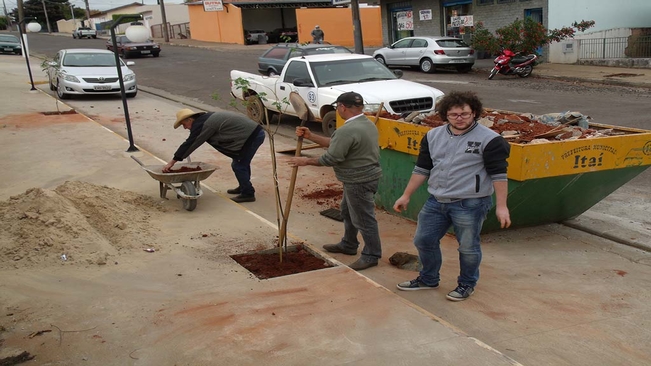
x=523, y=35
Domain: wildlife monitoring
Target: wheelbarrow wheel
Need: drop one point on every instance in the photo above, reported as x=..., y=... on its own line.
x=188, y=188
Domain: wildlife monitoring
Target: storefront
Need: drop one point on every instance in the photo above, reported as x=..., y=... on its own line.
x=402, y=20
x=458, y=16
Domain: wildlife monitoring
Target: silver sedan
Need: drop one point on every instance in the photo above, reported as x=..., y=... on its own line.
x=428, y=53
x=86, y=71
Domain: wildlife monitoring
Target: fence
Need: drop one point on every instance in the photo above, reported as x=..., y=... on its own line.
x=618, y=47
x=174, y=30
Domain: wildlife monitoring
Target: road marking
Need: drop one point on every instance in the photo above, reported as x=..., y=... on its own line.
x=523, y=101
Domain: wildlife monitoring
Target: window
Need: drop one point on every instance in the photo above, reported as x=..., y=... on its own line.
x=535, y=14
x=485, y=2
x=505, y=1
x=402, y=43
x=296, y=70
x=277, y=53
x=419, y=43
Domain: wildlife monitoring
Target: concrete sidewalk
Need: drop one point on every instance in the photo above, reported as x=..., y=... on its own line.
x=548, y=295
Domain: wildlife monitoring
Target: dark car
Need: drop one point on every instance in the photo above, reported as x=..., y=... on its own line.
x=127, y=49
x=283, y=35
x=271, y=63
x=10, y=44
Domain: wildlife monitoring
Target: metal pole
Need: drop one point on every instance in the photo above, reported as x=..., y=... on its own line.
x=87, y=13
x=22, y=42
x=357, y=27
x=123, y=94
x=47, y=20
x=164, y=19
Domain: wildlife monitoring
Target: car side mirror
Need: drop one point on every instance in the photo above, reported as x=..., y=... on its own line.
x=130, y=63
x=52, y=63
x=302, y=82
x=398, y=73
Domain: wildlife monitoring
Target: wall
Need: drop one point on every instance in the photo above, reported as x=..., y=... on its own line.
x=67, y=26
x=174, y=13
x=496, y=15
x=216, y=26
x=607, y=14
x=108, y=16
x=337, y=24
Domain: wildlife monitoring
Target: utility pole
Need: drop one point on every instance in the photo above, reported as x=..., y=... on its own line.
x=166, y=34
x=87, y=12
x=357, y=27
x=47, y=20
x=7, y=15
x=21, y=14
x=72, y=13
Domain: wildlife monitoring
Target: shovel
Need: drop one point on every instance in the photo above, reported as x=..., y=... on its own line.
x=303, y=112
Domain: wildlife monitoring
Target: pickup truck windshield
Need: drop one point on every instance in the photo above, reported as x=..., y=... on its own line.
x=349, y=71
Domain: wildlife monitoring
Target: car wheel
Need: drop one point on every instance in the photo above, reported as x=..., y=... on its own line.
x=52, y=87
x=156, y=54
x=380, y=59
x=329, y=123
x=73, y=36
x=464, y=69
x=255, y=108
x=94, y=37
x=426, y=65
x=123, y=54
x=61, y=91
x=272, y=72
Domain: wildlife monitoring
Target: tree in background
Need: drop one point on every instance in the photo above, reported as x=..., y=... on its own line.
x=3, y=22
x=523, y=35
x=56, y=10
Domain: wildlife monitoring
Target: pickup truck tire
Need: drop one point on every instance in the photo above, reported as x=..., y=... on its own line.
x=426, y=66
x=329, y=123
x=255, y=108
x=123, y=54
x=73, y=36
x=94, y=37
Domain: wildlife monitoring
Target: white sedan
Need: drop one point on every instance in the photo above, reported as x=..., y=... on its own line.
x=86, y=71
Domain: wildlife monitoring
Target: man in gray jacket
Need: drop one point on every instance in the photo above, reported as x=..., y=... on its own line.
x=354, y=153
x=230, y=133
x=463, y=163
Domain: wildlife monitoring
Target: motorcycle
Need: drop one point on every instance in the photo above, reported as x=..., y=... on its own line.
x=509, y=63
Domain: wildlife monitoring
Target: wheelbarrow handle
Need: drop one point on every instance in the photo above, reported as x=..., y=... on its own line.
x=137, y=160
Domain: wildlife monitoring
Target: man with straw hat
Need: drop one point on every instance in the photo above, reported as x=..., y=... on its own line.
x=230, y=133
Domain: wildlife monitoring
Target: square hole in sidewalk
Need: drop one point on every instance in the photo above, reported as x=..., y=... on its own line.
x=266, y=263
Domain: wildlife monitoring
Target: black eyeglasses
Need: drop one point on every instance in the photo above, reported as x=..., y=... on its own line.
x=463, y=115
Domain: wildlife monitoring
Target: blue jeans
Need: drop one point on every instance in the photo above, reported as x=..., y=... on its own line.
x=358, y=212
x=242, y=165
x=466, y=217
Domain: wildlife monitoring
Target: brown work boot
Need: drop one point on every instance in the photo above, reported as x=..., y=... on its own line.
x=363, y=263
x=336, y=248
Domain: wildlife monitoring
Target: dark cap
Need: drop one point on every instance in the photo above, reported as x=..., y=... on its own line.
x=350, y=98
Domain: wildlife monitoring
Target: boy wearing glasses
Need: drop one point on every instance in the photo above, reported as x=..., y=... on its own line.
x=464, y=163
x=354, y=153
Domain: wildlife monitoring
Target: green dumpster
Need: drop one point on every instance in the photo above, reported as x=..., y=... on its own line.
x=548, y=182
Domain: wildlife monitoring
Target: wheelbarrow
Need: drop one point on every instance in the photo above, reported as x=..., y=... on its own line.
x=185, y=184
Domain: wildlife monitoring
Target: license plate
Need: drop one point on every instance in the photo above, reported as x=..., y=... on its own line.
x=145, y=52
x=9, y=49
x=102, y=87
x=457, y=61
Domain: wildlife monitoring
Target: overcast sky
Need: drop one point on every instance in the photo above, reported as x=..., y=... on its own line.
x=110, y=4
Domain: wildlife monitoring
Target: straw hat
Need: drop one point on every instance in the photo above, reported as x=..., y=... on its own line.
x=183, y=114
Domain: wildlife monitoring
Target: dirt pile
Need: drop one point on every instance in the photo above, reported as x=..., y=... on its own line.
x=76, y=223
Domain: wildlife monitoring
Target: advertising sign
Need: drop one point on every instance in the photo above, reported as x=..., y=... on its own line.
x=213, y=5
x=425, y=14
x=405, y=20
x=340, y=2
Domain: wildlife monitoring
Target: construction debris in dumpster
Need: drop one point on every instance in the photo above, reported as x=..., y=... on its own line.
x=185, y=169
x=525, y=127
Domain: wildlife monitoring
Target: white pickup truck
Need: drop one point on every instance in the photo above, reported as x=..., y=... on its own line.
x=84, y=32
x=320, y=79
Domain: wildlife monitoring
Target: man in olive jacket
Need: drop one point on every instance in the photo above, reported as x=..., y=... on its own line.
x=230, y=133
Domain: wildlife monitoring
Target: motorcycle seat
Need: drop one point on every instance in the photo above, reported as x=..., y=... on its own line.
x=520, y=59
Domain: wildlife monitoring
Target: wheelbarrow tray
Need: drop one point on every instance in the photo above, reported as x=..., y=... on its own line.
x=156, y=172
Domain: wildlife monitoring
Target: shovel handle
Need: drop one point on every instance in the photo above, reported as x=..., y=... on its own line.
x=137, y=160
